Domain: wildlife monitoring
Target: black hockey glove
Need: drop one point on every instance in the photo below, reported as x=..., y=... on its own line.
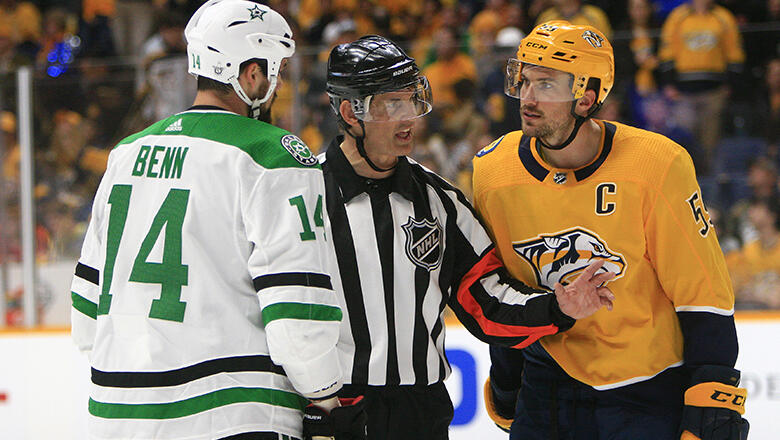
x=500, y=405
x=346, y=422
x=714, y=406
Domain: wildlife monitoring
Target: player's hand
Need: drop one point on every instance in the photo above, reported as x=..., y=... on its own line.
x=714, y=406
x=585, y=296
x=345, y=422
x=500, y=405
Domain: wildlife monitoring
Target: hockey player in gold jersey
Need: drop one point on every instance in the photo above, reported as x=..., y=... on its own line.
x=569, y=189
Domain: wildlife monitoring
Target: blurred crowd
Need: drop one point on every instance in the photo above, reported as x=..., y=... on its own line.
x=704, y=73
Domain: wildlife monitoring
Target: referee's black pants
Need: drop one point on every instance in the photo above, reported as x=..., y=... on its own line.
x=405, y=412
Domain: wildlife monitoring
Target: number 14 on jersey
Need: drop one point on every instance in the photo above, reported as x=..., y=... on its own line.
x=170, y=273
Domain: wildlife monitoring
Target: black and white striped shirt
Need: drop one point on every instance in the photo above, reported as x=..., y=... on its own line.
x=407, y=246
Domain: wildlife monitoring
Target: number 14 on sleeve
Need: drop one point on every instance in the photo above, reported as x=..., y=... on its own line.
x=308, y=233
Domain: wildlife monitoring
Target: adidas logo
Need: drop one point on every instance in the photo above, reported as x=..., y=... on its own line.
x=176, y=126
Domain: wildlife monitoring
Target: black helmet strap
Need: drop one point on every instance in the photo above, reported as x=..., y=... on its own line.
x=359, y=143
x=578, y=121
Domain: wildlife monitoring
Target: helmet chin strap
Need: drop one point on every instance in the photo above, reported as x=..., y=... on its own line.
x=254, y=104
x=361, y=147
x=578, y=121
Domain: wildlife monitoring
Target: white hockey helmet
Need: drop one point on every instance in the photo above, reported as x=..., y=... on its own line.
x=222, y=34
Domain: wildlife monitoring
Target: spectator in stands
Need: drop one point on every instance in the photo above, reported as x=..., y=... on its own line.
x=701, y=52
x=71, y=165
x=643, y=46
x=502, y=112
x=492, y=15
x=168, y=39
x=10, y=57
x=468, y=128
x=636, y=75
x=450, y=66
x=772, y=114
x=166, y=88
x=24, y=20
x=755, y=271
x=762, y=178
x=131, y=24
x=97, y=40
x=66, y=233
x=54, y=31
x=575, y=12
x=482, y=34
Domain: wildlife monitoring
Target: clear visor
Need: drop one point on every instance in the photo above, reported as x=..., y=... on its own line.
x=535, y=83
x=399, y=105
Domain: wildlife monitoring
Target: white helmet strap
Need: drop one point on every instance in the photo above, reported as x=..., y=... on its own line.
x=254, y=104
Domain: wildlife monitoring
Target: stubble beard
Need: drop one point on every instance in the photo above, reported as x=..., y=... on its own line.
x=264, y=115
x=547, y=131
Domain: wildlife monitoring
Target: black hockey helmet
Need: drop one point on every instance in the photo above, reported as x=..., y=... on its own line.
x=370, y=66
x=381, y=83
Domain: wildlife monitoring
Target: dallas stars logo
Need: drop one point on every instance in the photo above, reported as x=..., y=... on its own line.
x=256, y=12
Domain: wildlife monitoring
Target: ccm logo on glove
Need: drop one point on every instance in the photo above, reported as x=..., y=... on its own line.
x=722, y=396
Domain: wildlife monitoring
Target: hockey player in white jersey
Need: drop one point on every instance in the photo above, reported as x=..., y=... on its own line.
x=202, y=295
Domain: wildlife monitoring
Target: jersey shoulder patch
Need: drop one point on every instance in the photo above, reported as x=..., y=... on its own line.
x=298, y=150
x=513, y=137
x=492, y=146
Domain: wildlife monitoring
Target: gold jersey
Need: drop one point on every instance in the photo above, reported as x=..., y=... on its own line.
x=700, y=45
x=637, y=206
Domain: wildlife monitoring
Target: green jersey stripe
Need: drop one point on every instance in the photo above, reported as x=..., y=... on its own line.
x=289, y=310
x=197, y=404
x=270, y=146
x=84, y=305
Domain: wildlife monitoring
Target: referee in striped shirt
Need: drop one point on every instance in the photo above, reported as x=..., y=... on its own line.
x=408, y=244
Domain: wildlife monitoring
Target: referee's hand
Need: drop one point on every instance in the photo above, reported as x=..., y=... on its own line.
x=585, y=296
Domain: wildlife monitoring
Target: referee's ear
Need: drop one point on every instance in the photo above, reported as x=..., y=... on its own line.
x=345, y=110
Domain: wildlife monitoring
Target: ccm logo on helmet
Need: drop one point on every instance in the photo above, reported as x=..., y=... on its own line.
x=535, y=45
x=722, y=396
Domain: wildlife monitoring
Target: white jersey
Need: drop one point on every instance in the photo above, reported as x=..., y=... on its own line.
x=202, y=294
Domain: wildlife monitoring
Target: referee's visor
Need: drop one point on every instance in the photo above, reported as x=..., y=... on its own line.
x=405, y=104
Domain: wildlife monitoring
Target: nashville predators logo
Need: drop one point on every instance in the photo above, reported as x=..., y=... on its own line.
x=593, y=38
x=561, y=256
x=423, y=242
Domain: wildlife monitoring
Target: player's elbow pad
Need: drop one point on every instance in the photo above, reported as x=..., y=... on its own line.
x=714, y=405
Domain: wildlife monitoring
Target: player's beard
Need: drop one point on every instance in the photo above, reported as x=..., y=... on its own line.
x=264, y=114
x=549, y=130
x=264, y=111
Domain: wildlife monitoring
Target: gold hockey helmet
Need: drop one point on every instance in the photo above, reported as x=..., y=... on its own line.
x=583, y=51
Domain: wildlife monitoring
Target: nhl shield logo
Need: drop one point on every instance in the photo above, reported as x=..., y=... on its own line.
x=423, y=242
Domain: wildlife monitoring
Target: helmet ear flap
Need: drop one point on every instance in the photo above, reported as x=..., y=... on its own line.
x=335, y=104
